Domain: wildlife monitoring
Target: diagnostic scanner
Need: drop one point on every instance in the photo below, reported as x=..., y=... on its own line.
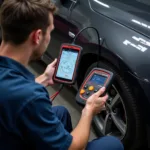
x=95, y=80
x=67, y=64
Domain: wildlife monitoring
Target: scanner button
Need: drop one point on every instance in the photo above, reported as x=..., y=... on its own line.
x=86, y=86
x=95, y=90
x=87, y=93
x=91, y=88
x=82, y=91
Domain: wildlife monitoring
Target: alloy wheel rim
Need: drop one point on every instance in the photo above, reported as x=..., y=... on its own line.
x=113, y=120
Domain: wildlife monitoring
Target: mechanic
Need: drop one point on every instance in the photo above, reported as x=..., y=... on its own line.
x=27, y=118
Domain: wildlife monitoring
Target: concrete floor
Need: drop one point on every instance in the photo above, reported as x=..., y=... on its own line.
x=65, y=98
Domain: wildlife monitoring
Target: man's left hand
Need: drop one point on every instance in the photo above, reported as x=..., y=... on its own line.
x=46, y=78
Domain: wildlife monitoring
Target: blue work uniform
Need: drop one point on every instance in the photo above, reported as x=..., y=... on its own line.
x=26, y=117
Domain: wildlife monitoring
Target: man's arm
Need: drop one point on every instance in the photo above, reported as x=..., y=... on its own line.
x=82, y=131
x=40, y=127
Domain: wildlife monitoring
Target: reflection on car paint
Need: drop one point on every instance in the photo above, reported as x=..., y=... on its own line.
x=101, y=3
x=139, y=47
x=147, y=43
x=141, y=23
x=146, y=80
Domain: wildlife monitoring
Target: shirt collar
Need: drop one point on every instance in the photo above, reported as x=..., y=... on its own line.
x=10, y=63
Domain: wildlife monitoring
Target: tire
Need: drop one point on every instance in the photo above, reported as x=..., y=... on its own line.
x=134, y=130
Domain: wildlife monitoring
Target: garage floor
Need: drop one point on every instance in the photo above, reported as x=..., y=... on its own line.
x=66, y=97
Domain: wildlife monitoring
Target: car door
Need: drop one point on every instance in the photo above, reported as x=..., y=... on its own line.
x=61, y=32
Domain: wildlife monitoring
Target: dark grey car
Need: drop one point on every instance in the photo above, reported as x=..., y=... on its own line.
x=124, y=28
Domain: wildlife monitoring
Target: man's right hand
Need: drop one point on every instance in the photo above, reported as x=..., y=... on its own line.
x=95, y=103
x=81, y=133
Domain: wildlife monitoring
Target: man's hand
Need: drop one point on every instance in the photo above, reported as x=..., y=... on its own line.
x=46, y=78
x=95, y=103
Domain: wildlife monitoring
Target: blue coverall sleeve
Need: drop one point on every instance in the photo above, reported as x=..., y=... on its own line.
x=40, y=127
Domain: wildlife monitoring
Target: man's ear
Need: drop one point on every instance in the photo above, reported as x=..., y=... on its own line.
x=37, y=36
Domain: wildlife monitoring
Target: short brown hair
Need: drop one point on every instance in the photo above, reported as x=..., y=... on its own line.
x=18, y=18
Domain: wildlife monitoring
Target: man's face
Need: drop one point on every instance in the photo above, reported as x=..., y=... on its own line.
x=44, y=40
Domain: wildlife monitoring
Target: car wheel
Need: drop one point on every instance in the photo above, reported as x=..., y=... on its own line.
x=121, y=117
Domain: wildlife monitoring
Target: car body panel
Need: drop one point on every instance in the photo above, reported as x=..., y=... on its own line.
x=60, y=34
x=131, y=13
x=126, y=44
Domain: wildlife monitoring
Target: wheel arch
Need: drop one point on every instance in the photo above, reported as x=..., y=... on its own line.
x=107, y=57
x=89, y=58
